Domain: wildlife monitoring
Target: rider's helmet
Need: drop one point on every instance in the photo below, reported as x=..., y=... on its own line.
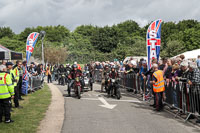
x=106, y=66
x=74, y=66
x=61, y=66
x=113, y=68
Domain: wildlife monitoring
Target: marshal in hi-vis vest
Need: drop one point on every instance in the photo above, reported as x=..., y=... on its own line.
x=6, y=86
x=159, y=86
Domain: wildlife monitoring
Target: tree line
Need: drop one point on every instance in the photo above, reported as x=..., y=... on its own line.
x=88, y=42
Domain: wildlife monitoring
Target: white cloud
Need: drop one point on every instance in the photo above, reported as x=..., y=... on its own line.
x=19, y=14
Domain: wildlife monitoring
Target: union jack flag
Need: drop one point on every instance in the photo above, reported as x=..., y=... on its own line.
x=25, y=75
x=30, y=44
x=153, y=41
x=25, y=80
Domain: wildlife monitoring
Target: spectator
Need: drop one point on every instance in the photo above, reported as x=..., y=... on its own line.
x=194, y=82
x=143, y=70
x=39, y=69
x=31, y=69
x=167, y=74
x=132, y=67
x=160, y=65
x=175, y=84
x=182, y=57
x=163, y=64
x=122, y=68
x=48, y=73
x=198, y=62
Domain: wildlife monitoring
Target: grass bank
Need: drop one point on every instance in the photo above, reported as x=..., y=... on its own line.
x=28, y=119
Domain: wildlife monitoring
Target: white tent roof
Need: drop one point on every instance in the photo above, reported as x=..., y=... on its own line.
x=7, y=52
x=136, y=58
x=190, y=54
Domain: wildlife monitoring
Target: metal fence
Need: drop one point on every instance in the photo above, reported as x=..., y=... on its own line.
x=35, y=82
x=179, y=95
x=184, y=97
x=97, y=75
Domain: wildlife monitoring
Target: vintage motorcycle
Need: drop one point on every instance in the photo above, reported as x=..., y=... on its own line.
x=61, y=80
x=66, y=77
x=114, y=89
x=76, y=86
x=88, y=82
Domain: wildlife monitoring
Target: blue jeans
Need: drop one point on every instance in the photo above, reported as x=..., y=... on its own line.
x=53, y=77
x=175, y=98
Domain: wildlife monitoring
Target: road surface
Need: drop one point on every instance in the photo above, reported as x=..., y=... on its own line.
x=95, y=113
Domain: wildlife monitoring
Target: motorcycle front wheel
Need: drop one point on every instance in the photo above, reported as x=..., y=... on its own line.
x=69, y=90
x=91, y=86
x=79, y=92
x=118, y=94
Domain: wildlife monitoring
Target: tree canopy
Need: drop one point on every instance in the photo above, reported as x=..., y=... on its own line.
x=88, y=42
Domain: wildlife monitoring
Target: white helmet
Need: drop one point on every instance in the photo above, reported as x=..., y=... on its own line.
x=133, y=63
x=184, y=63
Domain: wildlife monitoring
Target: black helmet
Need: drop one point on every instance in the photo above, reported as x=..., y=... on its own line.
x=74, y=66
x=113, y=67
x=106, y=66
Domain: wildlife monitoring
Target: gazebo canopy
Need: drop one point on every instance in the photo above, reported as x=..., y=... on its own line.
x=7, y=54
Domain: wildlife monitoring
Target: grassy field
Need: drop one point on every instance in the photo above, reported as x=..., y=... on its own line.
x=28, y=119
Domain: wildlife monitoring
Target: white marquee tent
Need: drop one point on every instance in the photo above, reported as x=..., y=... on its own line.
x=190, y=54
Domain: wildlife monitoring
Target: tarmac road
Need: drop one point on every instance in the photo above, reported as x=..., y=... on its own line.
x=95, y=113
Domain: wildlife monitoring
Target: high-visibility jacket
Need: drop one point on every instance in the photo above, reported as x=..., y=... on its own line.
x=13, y=77
x=52, y=68
x=20, y=72
x=48, y=72
x=159, y=86
x=6, y=86
x=16, y=73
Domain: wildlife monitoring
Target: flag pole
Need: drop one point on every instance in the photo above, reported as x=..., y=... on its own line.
x=42, y=33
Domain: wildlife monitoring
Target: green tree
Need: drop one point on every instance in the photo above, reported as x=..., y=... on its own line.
x=173, y=48
x=6, y=32
x=191, y=39
x=105, y=39
x=13, y=44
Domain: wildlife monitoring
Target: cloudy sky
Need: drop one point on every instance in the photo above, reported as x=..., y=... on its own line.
x=19, y=14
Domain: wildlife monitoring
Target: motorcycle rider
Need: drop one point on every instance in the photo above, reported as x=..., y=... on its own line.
x=67, y=70
x=113, y=75
x=75, y=72
x=68, y=67
x=55, y=72
x=105, y=74
x=61, y=70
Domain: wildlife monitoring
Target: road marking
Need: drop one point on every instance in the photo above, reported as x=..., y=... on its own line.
x=106, y=104
x=95, y=95
x=92, y=99
x=131, y=101
x=89, y=95
x=110, y=100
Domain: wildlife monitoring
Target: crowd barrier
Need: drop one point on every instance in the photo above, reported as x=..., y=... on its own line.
x=184, y=97
x=35, y=82
x=179, y=95
x=97, y=75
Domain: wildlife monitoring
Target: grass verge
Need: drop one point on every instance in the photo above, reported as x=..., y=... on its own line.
x=28, y=118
